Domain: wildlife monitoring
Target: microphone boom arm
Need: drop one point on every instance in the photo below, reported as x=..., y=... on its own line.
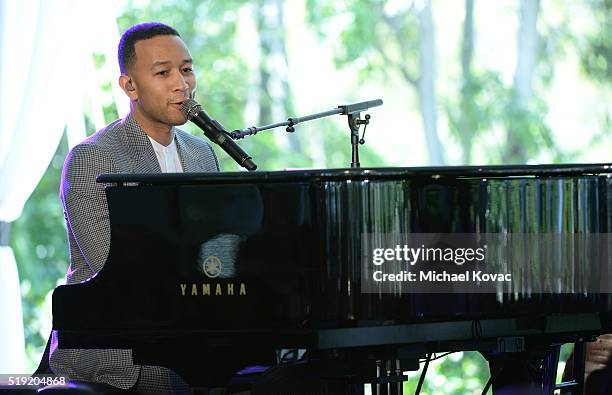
x=352, y=111
x=290, y=122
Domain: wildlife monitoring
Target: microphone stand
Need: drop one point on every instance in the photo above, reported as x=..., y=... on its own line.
x=352, y=111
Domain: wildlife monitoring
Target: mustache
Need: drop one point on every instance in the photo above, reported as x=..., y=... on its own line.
x=180, y=99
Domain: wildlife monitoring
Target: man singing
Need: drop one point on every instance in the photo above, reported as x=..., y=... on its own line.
x=157, y=75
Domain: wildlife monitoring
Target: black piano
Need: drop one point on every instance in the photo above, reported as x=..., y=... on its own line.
x=211, y=273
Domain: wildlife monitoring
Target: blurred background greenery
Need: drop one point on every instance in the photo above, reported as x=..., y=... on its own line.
x=464, y=82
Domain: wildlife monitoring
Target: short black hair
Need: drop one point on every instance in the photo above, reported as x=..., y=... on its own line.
x=127, y=53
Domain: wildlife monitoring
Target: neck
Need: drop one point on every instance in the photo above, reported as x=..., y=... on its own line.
x=159, y=132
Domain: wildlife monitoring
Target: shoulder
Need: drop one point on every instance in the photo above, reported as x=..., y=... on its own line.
x=95, y=150
x=107, y=137
x=91, y=157
x=86, y=154
x=83, y=164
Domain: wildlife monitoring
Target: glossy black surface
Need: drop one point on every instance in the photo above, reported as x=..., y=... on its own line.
x=293, y=239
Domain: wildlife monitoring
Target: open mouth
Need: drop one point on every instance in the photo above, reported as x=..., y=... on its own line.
x=177, y=105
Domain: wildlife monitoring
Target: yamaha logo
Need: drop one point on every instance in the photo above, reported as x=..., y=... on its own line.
x=212, y=266
x=216, y=260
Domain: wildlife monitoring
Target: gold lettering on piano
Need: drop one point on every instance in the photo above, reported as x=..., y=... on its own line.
x=220, y=289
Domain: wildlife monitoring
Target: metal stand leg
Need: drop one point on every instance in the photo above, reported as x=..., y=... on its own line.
x=549, y=370
x=389, y=378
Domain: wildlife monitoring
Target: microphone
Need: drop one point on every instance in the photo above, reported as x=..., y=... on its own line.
x=216, y=133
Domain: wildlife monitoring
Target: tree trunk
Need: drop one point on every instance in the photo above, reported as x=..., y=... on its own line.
x=276, y=103
x=467, y=126
x=526, y=59
x=426, y=84
x=527, y=49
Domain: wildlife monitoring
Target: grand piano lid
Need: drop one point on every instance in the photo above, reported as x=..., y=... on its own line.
x=381, y=173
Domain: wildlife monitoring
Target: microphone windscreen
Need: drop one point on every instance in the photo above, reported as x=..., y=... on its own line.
x=190, y=108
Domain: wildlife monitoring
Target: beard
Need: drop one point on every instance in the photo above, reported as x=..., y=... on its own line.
x=167, y=115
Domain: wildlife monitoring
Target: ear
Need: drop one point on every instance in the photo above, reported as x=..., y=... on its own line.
x=126, y=83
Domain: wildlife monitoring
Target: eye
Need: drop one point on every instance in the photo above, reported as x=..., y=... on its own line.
x=163, y=73
x=187, y=69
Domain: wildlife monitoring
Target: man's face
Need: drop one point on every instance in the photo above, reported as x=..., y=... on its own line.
x=162, y=78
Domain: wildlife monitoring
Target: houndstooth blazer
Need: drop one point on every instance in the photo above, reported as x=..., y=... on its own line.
x=121, y=147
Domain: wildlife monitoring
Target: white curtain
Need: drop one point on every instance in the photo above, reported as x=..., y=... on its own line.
x=45, y=66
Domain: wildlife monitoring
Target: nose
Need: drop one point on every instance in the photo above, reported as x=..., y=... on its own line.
x=180, y=83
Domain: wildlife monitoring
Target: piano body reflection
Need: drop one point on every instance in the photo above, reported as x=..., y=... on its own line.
x=219, y=269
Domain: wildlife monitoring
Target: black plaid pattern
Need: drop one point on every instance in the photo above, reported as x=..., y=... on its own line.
x=121, y=147
x=159, y=380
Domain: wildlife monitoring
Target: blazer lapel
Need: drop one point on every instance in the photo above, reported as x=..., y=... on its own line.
x=143, y=159
x=188, y=161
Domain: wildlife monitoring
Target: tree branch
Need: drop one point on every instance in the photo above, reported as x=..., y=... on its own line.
x=393, y=24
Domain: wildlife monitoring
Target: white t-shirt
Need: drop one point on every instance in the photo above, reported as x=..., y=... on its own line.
x=167, y=156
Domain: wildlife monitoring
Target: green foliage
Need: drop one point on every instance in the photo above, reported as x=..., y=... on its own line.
x=457, y=374
x=40, y=245
x=381, y=38
x=371, y=40
x=597, y=54
x=475, y=109
x=527, y=130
